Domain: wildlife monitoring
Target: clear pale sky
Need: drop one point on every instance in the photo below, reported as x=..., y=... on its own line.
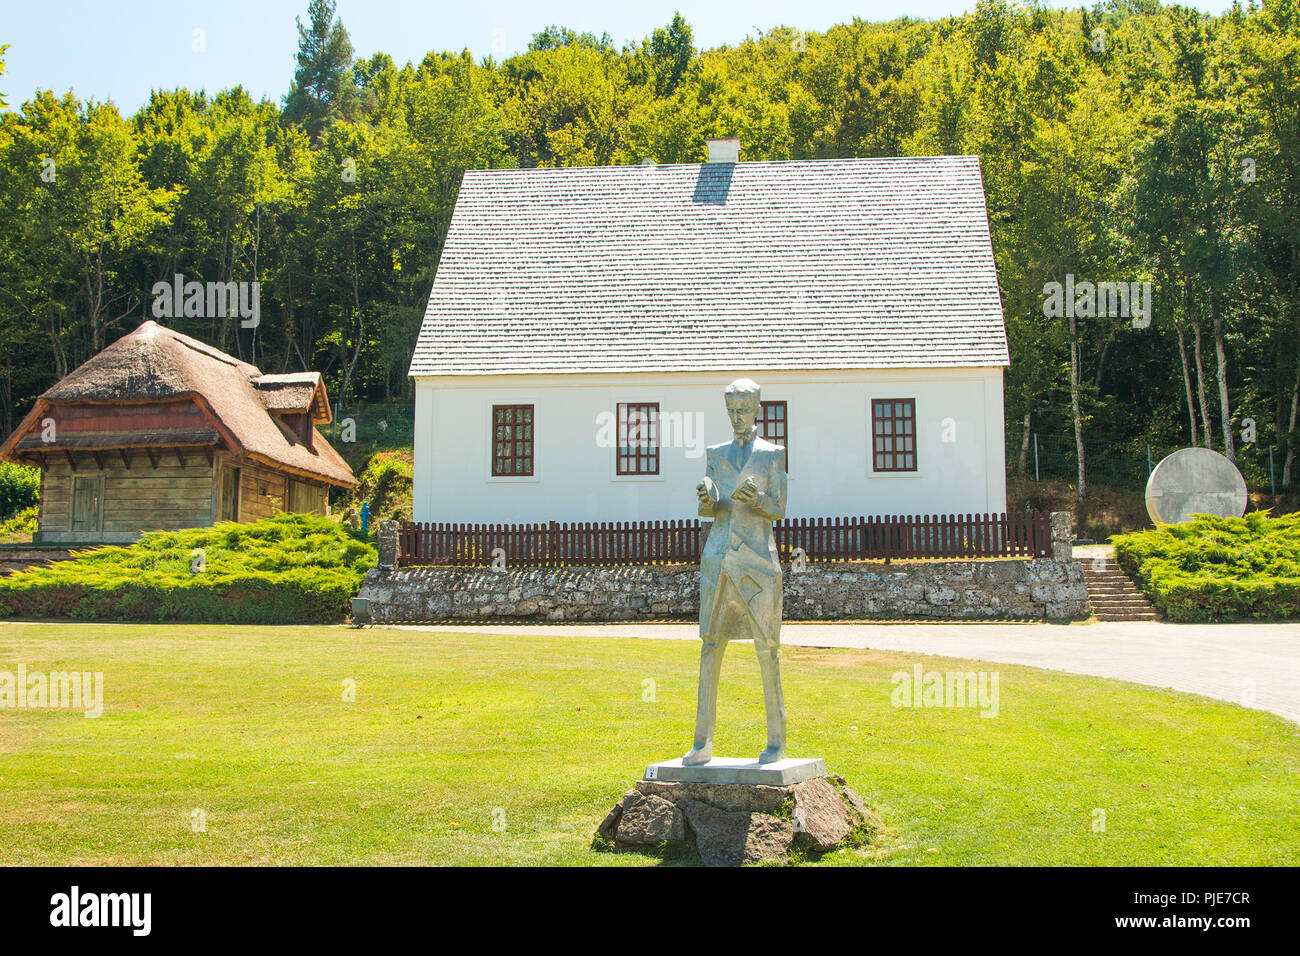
x=122, y=50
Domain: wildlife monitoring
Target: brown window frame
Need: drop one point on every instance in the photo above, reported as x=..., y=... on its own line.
x=775, y=429
x=895, y=442
x=643, y=458
x=514, y=456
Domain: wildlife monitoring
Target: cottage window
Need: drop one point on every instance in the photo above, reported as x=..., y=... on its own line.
x=512, y=440
x=772, y=421
x=893, y=428
x=638, y=438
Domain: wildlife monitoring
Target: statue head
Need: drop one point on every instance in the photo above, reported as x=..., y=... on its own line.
x=743, y=404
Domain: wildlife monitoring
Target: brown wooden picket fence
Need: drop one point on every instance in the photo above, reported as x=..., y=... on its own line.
x=1027, y=535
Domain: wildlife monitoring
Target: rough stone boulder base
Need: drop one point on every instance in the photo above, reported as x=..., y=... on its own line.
x=647, y=819
x=733, y=824
x=609, y=826
x=734, y=837
x=859, y=807
x=820, y=814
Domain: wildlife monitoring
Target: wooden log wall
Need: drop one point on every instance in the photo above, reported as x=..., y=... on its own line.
x=262, y=491
x=138, y=497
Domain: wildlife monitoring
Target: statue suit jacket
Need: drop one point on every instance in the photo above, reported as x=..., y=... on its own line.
x=740, y=556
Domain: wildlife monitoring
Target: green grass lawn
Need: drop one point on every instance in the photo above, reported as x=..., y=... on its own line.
x=452, y=735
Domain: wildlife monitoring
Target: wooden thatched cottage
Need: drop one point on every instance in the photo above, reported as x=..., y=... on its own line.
x=159, y=431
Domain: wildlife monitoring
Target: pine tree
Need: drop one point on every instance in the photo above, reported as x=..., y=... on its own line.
x=322, y=88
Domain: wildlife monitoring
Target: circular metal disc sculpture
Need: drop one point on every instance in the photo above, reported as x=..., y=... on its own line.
x=1195, y=481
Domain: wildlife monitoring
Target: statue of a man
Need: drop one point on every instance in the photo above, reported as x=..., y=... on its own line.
x=740, y=574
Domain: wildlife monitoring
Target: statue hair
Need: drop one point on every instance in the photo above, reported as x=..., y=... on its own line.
x=743, y=386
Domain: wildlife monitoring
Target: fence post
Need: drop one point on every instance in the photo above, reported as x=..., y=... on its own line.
x=1062, y=536
x=388, y=551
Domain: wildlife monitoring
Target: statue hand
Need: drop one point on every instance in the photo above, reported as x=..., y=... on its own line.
x=746, y=492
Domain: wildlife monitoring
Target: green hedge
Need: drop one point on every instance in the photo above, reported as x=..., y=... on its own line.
x=20, y=488
x=290, y=569
x=1218, y=569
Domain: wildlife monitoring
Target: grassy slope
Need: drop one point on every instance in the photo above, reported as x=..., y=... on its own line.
x=248, y=723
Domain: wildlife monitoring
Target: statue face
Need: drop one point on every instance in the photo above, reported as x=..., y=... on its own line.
x=742, y=410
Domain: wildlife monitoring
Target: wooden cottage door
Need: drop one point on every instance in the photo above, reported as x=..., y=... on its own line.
x=87, y=504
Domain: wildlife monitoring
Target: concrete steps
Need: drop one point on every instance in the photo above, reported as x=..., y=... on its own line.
x=1114, y=597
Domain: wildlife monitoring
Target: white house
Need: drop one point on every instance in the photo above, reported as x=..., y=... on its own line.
x=584, y=322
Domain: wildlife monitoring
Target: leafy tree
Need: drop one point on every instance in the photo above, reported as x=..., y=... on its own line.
x=567, y=105
x=1188, y=200
x=1271, y=55
x=670, y=50
x=79, y=209
x=557, y=38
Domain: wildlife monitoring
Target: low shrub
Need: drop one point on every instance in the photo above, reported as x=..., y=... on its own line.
x=20, y=489
x=386, y=483
x=390, y=480
x=21, y=526
x=1218, y=569
x=290, y=569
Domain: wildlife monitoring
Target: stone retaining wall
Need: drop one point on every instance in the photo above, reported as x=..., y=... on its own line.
x=973, y=589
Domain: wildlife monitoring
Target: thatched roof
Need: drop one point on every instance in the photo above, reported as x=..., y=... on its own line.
x=296, y=392
x=154, y=363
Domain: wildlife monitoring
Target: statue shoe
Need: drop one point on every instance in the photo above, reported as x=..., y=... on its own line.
x=698, y=755
x=771, y=754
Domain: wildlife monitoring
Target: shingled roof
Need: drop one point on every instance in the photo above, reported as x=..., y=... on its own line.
x=239, y=402
x=821, y=264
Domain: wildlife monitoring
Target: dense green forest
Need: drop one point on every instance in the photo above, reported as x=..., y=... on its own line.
x=1128, y=142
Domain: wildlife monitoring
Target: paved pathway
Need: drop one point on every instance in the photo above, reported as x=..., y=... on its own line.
x=1257, y=665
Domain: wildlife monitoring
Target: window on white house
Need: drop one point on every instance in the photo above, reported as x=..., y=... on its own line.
x=638, y=438
x=512, y=440
x=893, y=429
x=773, y=425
